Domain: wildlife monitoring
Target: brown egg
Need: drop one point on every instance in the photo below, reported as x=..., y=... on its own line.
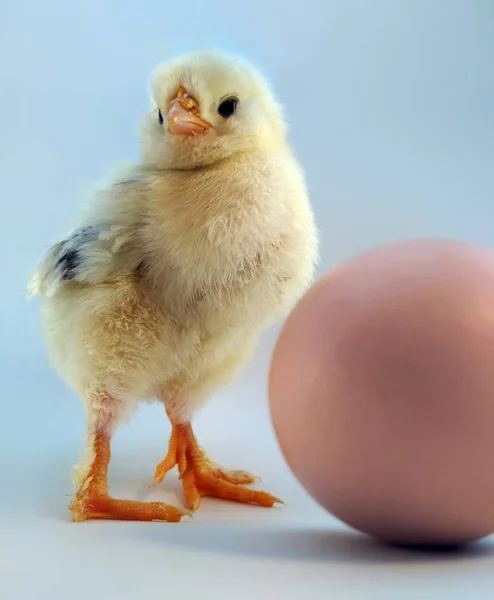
x=382, y=392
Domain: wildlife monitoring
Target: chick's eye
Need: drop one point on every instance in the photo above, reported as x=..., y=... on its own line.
x=228, y=107
x=160, y=117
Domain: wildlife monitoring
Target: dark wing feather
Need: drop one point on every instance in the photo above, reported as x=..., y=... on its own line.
x=91, y=254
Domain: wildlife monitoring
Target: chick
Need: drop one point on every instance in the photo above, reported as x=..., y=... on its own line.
x=173, y=270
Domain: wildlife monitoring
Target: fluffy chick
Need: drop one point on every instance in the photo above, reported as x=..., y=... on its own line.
x=163, y=287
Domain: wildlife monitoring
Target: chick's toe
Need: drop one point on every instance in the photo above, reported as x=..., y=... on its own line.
x=95, y=506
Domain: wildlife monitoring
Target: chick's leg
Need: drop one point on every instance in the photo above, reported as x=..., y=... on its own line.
x=92, y=500
x=202, y=477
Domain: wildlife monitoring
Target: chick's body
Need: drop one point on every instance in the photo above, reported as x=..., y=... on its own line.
x=163, y=288
x=219, y=263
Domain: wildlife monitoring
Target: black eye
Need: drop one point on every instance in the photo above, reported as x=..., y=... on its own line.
x=160, y=117
x=228, y=107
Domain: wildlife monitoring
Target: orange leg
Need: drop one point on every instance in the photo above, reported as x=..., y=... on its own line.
x=93, y=502
x=202, y=477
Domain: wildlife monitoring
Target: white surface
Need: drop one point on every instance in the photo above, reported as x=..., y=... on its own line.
x=227, y=551
x=390, y=110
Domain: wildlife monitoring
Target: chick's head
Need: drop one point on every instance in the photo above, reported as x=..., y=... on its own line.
x=207, y=106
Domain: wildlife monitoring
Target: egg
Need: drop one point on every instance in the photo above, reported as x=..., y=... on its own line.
x=381, y=392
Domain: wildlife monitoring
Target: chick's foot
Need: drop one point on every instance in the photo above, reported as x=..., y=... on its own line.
x=93, y=502
x=202, y=477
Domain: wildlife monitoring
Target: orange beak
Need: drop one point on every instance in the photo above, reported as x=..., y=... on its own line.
x=183, y=116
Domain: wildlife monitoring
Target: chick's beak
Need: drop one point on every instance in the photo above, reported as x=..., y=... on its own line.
x=183, y=116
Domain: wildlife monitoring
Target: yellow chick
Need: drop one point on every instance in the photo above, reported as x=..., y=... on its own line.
x=162, y=289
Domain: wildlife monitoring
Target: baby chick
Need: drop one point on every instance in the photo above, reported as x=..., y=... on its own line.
x=162, y=289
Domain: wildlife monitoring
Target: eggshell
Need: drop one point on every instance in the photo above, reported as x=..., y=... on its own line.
x=382, y=392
